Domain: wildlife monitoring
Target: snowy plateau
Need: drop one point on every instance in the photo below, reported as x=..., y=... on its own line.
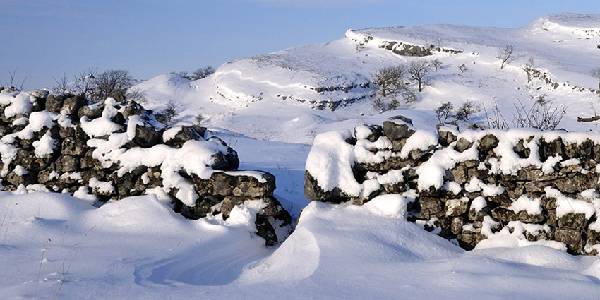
x=269, y=108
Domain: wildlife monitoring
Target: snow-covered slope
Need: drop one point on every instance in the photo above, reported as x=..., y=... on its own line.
x=339, y=72
x=337, y=75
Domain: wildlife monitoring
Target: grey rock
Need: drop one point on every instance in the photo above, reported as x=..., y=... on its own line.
x=395, y=131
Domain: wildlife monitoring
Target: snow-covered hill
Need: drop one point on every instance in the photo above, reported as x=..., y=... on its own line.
x=338, y=75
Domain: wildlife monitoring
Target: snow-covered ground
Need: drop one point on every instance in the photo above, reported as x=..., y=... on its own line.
x=56, y=246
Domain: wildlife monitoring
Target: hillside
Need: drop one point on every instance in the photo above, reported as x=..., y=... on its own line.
x=338, y=76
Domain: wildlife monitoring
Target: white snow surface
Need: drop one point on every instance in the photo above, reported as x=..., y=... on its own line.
x=56, y=246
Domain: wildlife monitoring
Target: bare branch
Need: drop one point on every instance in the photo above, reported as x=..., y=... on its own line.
x=505, y=55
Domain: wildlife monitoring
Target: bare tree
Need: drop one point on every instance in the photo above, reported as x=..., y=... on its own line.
x=392, y=89
x=202, y=72
x=418, y=71
x=505, y=55
x=61, y=85
x=14, y=82
x=596, y=74
x=390, y=80
x=136, y=95
x=84, y=83
x=436, y=64
x=111, y=83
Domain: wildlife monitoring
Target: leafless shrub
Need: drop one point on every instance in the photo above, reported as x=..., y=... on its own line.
x=447, y=114
x=62, y=85
x=167, y=115
x=466, y=110
x=444, y=112
x=202, y=73
x=463, y=68
x=505, y=55
x=83, y=83
x=135, y=95
x=436, y=64
x=495, y=119
x=14, y=83
x=540, y=114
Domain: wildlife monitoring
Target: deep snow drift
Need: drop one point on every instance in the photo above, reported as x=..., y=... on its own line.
x=56, y=246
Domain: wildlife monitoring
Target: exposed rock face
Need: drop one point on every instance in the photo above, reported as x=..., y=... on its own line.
x=117, y=149
x=530, y=186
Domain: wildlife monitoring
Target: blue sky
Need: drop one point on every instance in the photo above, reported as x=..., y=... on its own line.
x=42, y=39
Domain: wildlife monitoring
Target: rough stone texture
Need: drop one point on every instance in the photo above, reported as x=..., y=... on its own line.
x=71, y=164
x=573, y=174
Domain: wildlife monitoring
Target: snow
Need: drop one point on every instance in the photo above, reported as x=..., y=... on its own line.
x=170, y=133
x=44, y=146
x=530, y=205
x=132, y=123
x=420, y=140
x=330, y=162
x=57, y=246
x=431, y=172
x=20, y=171
x=512, y=236
x=138, y=247
x=83, y=194
x=99, y=127
x=566, y=205
x=488, y=190
x=20, y=105
x=478, y=203
x=391, y=206
x=102, y=187
x=452, y=187
x=259, y=176
x=103, y=126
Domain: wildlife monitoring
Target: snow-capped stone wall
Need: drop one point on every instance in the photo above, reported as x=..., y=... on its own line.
x=479, y=188
x=111, y=150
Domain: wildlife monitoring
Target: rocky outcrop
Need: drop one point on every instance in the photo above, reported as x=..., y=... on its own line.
x=115, y=149
x=520, y=186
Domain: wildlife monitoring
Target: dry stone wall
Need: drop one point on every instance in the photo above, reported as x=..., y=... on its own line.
x=486, y=188
x=115, y=149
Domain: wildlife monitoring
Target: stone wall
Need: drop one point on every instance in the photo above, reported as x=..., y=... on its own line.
x=504, y=188
x=111, y=150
